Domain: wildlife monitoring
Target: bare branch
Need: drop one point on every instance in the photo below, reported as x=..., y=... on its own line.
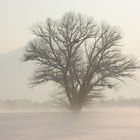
x=81, y=56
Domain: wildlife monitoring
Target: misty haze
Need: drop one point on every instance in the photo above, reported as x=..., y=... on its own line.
x=69, y=70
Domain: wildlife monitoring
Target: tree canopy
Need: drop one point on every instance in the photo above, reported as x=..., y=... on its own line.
x=82, y=56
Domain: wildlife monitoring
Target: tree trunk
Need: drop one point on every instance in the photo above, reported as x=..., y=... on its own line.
x=76, y=108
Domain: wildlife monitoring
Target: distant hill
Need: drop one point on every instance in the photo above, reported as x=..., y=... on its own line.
x=14, y=78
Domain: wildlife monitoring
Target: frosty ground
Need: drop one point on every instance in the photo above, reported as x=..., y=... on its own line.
x=98, y=124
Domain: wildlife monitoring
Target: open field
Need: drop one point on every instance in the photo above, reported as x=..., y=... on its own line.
x=100, y=124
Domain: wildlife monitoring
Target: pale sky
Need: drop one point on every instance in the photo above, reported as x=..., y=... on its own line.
x=18, y=16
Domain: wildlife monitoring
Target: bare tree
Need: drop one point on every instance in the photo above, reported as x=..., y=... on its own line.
x=82, y=56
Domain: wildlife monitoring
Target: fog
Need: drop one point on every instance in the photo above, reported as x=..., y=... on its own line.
x=116, y=124
x=26, y=113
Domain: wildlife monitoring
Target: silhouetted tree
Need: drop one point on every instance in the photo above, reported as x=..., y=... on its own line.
x=79, y=54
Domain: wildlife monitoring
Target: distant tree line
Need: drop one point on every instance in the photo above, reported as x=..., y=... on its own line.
x=120, y=101
x=28, y=104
